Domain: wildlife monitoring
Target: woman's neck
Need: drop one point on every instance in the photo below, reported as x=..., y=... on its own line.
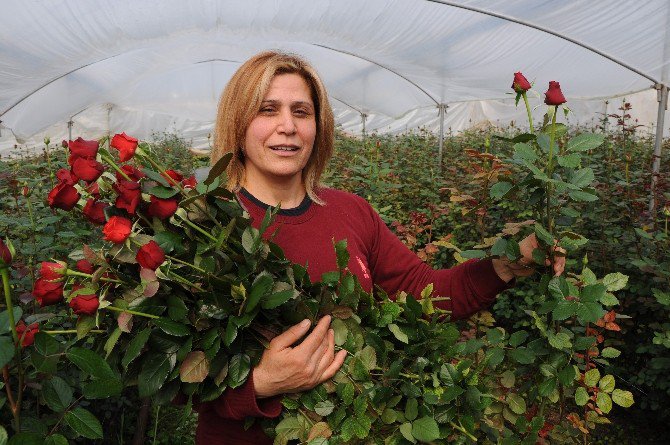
x=288, y=193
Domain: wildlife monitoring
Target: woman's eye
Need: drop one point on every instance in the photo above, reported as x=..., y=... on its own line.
x=267, y=110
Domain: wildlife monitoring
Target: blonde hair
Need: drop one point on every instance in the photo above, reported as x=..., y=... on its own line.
x=239, y=104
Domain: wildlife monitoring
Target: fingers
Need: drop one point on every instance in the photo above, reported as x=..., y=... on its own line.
x=334, y=366
x=318, y=336
x=327, y=356
x=292, y=335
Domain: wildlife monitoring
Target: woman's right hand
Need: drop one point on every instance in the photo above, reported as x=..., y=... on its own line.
x=284, y=368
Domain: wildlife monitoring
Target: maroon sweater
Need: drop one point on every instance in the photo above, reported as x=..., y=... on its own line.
x=377, y=256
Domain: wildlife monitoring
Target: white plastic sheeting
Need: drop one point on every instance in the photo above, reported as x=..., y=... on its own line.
x=148, y=66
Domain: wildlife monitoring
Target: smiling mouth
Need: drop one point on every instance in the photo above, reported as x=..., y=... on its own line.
x=284, y=148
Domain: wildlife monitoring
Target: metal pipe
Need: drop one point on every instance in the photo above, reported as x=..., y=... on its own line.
x=363, y=118
x=662, y=97
x=69, y=129
x=442, y=109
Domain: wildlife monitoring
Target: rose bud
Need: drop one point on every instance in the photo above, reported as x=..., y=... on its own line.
x=64, y=143
x=25, y=191
x=26, y=333
x=129, y=195
x=79, y=148
x=53, y=271
x=189, y=183
x=84, y=304
x=520, y=84
x=85, y=266
x=47, y=292
x=554, y=95
x=94, y=211
x=87, y=169
x=64, y=196
x=172, y=176
x=5, y=254
x=150, y=256
x=66, y=176
x=126, y=146
x=117, y=229
x=162, y=208
x=135, y=174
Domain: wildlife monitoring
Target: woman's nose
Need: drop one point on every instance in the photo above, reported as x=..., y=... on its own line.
x=286, y=123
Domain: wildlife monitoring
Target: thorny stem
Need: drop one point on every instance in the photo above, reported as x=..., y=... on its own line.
x=530, y=116
x=177, y=260
x=74, y=273
x=463, y=430
x=141, y=314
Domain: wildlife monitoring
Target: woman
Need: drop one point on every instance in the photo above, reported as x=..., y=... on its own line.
x=275, y=117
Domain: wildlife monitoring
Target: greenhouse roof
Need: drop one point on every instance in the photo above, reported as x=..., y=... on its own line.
x=147, y=65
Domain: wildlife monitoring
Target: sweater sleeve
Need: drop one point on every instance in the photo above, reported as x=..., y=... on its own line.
x=471, y=286
x=241, y=402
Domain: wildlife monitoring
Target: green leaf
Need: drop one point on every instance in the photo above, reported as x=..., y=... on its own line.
x=581, y=396
x=567, y=375
x=398, y=333
x=589, y=312
x=662, y=297
x=356, y=426
x=525, y=152
x=3, y=435
x=579, y=195
x=615, y=281
x=411, y=409
x=84, y=325
x=585, y=141
x=564, y=310
x=560, y=341
x=324, y=408
x=516, y=403
x=610, y=353
x=250, y=239
x=84, y=423
x=25, y=438
x=57, y=394
x=162, y=192
x=4, y=319
x=177, y=309
x=543, y=235
x=238, y=370
x=622, y=398
x=425, y=429
x=90, y=363
x=607, y=383
x=406, y=431
x=172, y=327
x=155, y=369
x=288, y=429
x=592, y=293
x=500, y=189
x=135, y=347
x=153, y=175
x=591, y=377
x=218, y=168
x=6, y=350
x=604, y=402
x=342, y=254
x=572, y=160
x=103, y=388
x=507, y=379
x=517, y=338
x=522, y=355
x=558, y=288
x=111, y=341
x=55, y=439
x=259, y=288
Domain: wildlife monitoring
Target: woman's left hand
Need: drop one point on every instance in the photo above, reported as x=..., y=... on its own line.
x=524, y=266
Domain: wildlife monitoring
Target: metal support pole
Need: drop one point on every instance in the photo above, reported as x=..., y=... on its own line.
x=109, y=129
x=69, y=129
x=662, y=97
x=442, y=111
x=364, y=118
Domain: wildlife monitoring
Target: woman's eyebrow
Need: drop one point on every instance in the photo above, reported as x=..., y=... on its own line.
x=298, y=103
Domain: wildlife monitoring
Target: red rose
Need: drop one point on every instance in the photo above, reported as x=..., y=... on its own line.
x=172, y=176
x=5, y=254
x=189, y=183
x=520, y=84
x=126, y=146
x=79, y=148
x=162, y=208
x=94, y=190
x=84, y=304
x=85, y=266
x=26, y=333
x=129, y=195
x=64, y=196
x=117, y=229
x=52, y=271
x=66, y=176
x=554, y=95
x=87, y=169
x=47, y=292
x=94, y=211
x=133, y=173
x=150, y=256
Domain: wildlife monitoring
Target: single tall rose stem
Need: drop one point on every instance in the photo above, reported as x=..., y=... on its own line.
x=550, y=170
x=51, y=172
x=111, y=162
x=530, y=116
x=74, y=273
x=4, y=273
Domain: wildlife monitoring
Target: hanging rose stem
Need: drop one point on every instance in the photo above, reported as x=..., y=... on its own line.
x=74, y=273
x=177, y=260
x=141, y=314
x=111, y=162
x=73, y=331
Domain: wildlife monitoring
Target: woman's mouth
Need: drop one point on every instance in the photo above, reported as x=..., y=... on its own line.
x=284, y=148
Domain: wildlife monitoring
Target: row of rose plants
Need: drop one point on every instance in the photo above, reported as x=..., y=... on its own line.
x=183, y=294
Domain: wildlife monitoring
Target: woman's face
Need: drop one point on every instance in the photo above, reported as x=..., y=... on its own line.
x=279, y=140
